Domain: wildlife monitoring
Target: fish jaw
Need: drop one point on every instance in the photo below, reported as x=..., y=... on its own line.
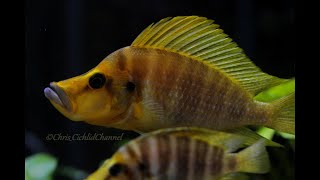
x=59, y=99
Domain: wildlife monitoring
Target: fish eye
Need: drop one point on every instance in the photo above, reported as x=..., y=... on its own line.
x=97, y=80
x=142, y=167
x=116, y=169
x=130, y=86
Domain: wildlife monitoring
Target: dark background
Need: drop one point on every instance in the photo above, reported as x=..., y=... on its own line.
x=67, y=38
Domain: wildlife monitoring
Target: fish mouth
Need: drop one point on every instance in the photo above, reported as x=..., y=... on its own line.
x=57, y=95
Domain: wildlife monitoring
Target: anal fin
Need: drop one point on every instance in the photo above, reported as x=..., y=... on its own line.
x=252, y=136
x=235, y=176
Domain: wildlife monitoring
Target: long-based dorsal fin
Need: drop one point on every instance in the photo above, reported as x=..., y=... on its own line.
x=200, y=39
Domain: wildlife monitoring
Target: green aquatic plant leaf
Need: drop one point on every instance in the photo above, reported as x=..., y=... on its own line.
x=276, y=92
x=71, y=172
x=287, y=136
x=269, y=95
x=40, y=166
x=266, y=132
x=269, y=133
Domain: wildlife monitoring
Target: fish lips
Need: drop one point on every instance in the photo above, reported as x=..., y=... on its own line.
x=57, y=95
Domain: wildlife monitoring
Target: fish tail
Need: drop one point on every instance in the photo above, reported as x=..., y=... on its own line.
x=254, y=159
x=284, y=118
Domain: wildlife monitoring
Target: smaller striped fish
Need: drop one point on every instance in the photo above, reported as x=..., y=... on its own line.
x=184, y=153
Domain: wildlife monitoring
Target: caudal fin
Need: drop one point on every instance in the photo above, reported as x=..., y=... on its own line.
x=254, y=159
x=284, y=118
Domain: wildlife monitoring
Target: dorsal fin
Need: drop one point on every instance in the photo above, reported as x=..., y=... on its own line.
x=200, y=39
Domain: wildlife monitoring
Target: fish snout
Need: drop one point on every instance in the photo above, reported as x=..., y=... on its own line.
x=58, y=95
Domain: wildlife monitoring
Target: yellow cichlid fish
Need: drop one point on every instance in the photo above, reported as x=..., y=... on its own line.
x=181, y=71
x=184, y=153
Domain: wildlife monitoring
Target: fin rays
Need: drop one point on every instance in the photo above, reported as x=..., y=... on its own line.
x=200, y=39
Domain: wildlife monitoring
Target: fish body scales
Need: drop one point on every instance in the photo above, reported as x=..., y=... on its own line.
x=169, y=157
x=189, y=91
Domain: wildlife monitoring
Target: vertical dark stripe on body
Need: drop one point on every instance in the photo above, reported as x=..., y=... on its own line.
x=217, y=162
x=133, y=173
x=215, y=95
x=138, y=68
x=208, y=160
x=138, y=64
x=238, y=111
x=213, y=163
x=232, y=163
x=200, y=155
x=131, y=152
x=183, y=157
x=145, y=151
x=165, y=70
x=188, y=88
x=197, y=71
x=175, y=101
x=165, y=77
x=227, y=102
x=122, y=60
x=164, y=153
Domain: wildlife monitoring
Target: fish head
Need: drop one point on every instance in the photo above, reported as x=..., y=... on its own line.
x=101, y=96
x=119, y=167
